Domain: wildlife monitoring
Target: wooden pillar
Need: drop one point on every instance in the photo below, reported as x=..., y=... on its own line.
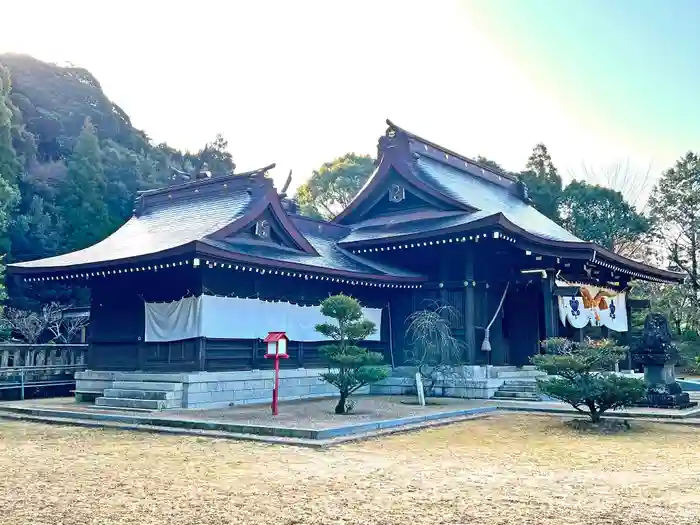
x=141, y=348
x=627, y=336
x=254, y=361
x=300, y=355
x=469, y=307
x=443, y=276
x=202, y=353
x=550, y=314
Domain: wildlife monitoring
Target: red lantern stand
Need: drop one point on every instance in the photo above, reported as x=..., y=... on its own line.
x=276, y=349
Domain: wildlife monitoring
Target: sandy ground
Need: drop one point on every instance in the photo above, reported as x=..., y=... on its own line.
x=320, y=413
x=509, y=468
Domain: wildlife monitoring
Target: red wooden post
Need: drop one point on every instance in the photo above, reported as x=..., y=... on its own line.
x=276, y=349
x=275, y=392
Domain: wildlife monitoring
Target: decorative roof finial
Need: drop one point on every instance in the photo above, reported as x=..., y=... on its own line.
x=204, y=172
x=283, y=193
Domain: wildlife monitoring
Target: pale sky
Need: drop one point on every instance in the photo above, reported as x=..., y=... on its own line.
x=301, y=82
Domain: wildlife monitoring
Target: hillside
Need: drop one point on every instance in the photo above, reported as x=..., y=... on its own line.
x=70, y=164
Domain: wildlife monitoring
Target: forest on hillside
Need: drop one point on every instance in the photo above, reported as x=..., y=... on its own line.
x=71, y=163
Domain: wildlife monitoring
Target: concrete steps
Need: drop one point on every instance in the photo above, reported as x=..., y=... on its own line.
x=156, y=395
x=121, y=402
x=147, y=385
x=519, y=384
x=523, y=396
x=518, y=388
x=519, y=374
x=141, y=396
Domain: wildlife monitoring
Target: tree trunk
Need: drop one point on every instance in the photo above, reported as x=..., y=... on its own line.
x=595, y=415
x=340, y=407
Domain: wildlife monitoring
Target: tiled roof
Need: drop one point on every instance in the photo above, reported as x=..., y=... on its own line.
x=188, y=215
x=489, y=198
x=400, y=227
x=162, y=227
x=330, y=257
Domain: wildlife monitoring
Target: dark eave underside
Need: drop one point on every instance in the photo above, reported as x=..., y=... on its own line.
x=408, y=231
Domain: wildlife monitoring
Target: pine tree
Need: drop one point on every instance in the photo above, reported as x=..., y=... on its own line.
x=81, y=196
x=543, y=182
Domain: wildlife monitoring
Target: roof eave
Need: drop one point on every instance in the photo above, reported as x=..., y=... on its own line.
x=17, y=269
x=576, y=250
x=205, y=249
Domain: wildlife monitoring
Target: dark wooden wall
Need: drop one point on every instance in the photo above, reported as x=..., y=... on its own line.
x=473, y=278
x=117, y=320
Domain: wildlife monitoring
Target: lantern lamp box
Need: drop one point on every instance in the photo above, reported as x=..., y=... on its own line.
x=276, y=345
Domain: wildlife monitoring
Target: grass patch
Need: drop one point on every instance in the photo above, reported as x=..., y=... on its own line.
x=509, y=468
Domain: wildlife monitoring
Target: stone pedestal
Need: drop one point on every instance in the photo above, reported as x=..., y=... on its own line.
x=658, y=354
x=664, y=391
x=660, y=374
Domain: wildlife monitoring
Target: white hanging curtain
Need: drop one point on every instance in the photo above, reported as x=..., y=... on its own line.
x=238, y=318
x=594, y=305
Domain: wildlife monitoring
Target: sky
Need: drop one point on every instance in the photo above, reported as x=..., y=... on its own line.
x=600, y=82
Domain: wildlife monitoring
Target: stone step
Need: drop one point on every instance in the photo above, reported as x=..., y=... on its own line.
x=156, y=395
x=529, y=396
x=103, y=409
x=520, y=374
x=513, y=388
x=527, y=382
x=118, y=402
x=146, y=385
x=505, y=368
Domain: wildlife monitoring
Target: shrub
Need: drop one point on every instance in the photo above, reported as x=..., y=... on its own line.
x=582, y=377
x=433, y=347
x=350, y=367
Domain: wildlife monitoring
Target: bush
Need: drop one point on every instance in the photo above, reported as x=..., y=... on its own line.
x=350, y=367
x=689, y=352
x=582, y=377
x=433, y=349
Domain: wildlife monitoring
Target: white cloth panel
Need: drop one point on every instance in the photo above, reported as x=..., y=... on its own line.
x=597, y=306
x=238, y=318
x=173, y=321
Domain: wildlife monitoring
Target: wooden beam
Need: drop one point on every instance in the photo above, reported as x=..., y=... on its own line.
x=566, y=291
x=469, y=307
x=550, y=321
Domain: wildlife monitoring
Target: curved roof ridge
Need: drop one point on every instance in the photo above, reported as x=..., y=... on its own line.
x=500, y=173
x=206, y=182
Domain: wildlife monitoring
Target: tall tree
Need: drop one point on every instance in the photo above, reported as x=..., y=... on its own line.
x=543, y=182
x=216, y=156
x=676, y=203
x=332, y=187
x=9, y=164
x=81, y=195
x=602, y=215
x=489, y=163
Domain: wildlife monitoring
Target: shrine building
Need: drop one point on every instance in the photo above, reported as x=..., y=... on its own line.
x=183, y=294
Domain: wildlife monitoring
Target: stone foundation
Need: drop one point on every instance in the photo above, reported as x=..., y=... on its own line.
x=199, y=389
x=466, y=381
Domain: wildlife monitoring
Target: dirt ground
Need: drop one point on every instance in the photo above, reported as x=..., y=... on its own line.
x=319, y=413
x=504, y=469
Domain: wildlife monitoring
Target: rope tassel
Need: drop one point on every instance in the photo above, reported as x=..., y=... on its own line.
x=486, y=344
